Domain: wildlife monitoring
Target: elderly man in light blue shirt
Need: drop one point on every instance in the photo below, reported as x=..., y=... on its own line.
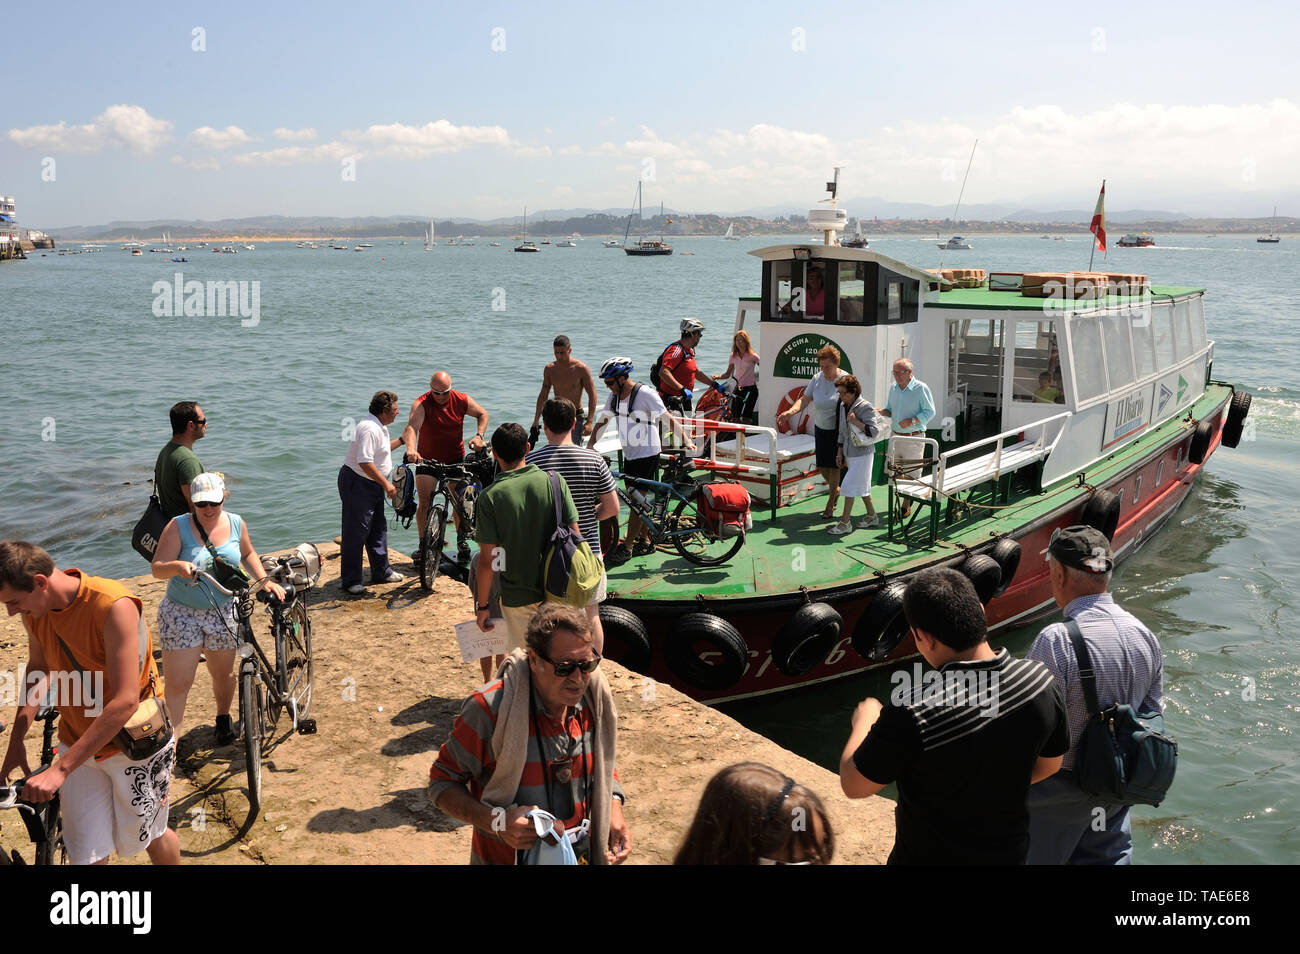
x=909, y=408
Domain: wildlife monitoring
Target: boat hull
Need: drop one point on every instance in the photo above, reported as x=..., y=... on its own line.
x=1151, y=486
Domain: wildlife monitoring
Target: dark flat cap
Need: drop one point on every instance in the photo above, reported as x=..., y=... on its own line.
x=1082, y=547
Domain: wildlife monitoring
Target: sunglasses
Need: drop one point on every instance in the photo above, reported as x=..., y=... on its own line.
x=201, y=421
x=567, y=667
x=440, y=393
x=206, y=504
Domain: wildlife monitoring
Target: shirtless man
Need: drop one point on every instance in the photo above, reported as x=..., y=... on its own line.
x=569, y=378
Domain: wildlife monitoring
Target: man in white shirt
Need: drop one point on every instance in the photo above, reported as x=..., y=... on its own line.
x=363, y=484
x=637, y=411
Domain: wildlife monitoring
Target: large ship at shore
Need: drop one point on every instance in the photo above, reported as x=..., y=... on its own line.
x=1127, y=419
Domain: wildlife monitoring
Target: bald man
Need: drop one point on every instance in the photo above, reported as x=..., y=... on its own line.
x=435, y=432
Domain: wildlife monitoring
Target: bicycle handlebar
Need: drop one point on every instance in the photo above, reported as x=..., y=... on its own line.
x=212, y=581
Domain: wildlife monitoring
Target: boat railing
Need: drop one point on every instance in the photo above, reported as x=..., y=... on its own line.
x=756, y=465
x=1012, y=450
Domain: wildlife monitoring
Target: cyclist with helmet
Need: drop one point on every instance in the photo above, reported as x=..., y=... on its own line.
x=637, y=411
x=678, y=373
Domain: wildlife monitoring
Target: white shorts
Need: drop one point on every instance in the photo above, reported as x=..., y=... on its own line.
x=115, y=805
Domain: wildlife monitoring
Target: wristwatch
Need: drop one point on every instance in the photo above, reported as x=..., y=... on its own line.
x=482, y=608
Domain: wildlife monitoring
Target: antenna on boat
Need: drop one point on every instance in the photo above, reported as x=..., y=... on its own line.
x=831, y=220
x=962, y=191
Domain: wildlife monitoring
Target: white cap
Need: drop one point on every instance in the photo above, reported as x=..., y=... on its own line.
x=207, y=488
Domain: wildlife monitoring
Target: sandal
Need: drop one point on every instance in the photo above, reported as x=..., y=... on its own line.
x=842, y=528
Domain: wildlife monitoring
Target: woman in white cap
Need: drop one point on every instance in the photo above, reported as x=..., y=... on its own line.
x=194, y=620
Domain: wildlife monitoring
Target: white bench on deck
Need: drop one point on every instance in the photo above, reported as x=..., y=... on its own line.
x=950, y=479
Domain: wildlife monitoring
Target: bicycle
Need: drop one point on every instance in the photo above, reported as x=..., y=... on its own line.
x=686, y=528
x=456, y=491
x=267, y=689
x=44, y=820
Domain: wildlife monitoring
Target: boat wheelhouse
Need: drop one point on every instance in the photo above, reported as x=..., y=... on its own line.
x=1061, y=399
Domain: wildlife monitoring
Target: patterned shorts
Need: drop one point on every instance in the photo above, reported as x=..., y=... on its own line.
x=115, y=804
x=182, y=627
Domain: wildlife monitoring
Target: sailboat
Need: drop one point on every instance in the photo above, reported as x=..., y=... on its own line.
x=644, y=246
x=1272, y=238
x=525, y=245
x=429, y=243
x=730, y=235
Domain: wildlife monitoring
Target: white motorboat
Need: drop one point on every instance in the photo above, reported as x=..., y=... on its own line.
x=955, y=242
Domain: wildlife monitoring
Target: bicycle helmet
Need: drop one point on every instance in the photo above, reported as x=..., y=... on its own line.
x=692, y=326
x=615, y=367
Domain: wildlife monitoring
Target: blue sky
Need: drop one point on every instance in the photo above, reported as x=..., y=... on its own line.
x=447, y=111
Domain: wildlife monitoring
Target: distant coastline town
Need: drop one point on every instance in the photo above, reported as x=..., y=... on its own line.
x=603, y=224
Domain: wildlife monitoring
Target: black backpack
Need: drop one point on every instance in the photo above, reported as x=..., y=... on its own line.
x=657, y=367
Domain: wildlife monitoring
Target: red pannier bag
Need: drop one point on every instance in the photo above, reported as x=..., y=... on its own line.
x=725, y=506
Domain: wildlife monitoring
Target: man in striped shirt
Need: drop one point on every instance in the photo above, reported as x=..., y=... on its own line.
x=1066, y=825
x=590, y=484
x=541, y=735
x=964, y=741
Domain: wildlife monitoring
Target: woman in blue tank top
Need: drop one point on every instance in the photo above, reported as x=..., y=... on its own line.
x=196, y=619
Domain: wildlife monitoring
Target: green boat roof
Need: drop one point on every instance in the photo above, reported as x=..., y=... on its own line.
x=984, y=299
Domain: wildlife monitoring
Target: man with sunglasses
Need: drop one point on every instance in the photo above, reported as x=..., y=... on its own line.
x=540, y=735
x=678, y=373
x=177, y=464
x=435, y=432
x=1065, y=826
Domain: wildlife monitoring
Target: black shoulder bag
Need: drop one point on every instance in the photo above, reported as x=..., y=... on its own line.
x=1123, y=756
x=149, y=528
x=230, y=575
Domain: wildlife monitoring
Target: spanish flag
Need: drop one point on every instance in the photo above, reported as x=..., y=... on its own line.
x=1098, y=226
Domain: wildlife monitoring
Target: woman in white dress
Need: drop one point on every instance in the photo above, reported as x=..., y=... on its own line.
x=857, y=432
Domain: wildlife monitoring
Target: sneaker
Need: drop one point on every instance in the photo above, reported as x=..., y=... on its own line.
x=619, y=555
x=417, y=557
x=866, y=523
x=392, y=577
x=842, y=528
x=226, y=734
x=643, y=548
x=462, y=551
x=356, y=589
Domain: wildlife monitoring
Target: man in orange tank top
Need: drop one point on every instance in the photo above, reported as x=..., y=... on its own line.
x=435, y=432
x=79, y=622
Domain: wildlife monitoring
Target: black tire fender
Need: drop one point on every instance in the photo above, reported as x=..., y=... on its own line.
x=1007, y=552
x=806, y=638
x=1237, y=412
x=684, y=660
x=627, y=641
x=883, y=626
x=1199, y=449
x=985, y=574
x=1101, y=512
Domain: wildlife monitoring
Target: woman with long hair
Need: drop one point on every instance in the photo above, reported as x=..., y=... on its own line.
x=751, y=814
x=744, y=359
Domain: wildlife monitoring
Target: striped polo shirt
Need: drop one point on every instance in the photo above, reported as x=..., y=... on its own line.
x=466, y=759
x=587, y=475
x=1125, y=656
x=961, y=742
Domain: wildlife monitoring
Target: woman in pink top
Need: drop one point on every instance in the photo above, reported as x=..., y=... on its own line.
x=743, y=361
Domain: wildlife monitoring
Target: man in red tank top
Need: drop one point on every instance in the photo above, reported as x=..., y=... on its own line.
x=435, y=432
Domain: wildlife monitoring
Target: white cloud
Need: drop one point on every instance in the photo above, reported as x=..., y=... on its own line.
x=207, y=164
x=570, y=151
x=205, y=137
x=295, y=135
x=400, y=141
x=651, y=145
x=533, y=152
x=125, y=127
x=297, y=155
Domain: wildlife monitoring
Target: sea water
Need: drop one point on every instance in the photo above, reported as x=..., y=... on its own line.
x=92, y=362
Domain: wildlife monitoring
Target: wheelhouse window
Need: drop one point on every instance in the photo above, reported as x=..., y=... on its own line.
x=852, y=292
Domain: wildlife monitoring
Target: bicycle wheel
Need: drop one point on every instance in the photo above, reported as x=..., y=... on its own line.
x=431, y=544
x=252, y=709
x=294, y=660
x=52, y=851
x=693, y=540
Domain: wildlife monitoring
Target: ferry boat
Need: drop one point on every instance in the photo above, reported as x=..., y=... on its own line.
x=1138, y=414
x=1133, y=240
